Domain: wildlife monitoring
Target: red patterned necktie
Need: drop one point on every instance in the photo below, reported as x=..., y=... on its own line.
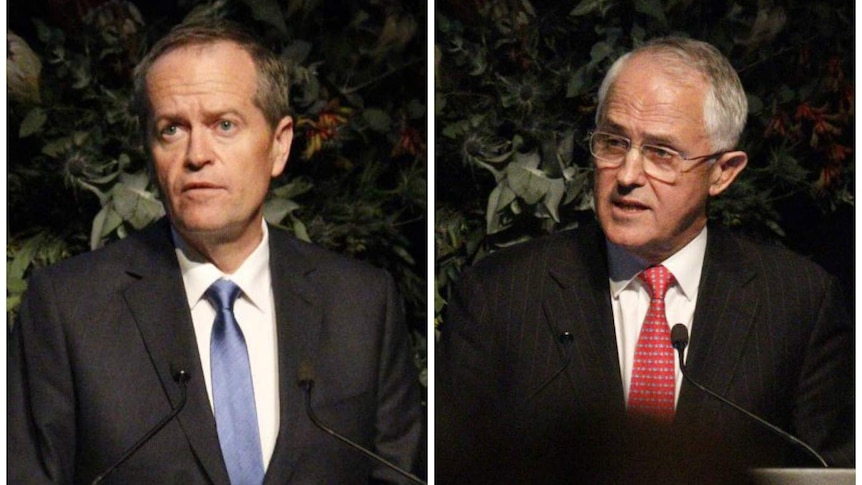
x=653, y=376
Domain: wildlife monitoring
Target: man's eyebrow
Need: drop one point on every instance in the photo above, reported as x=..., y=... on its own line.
x=208, y=115
x=611, y=127
x=650, y=139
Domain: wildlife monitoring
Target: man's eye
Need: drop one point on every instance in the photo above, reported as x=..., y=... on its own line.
x=659, y=153
x=615, y=144
x=225, y=125
x=169, y=130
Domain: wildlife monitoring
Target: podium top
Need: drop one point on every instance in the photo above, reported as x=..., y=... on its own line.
x=804, y=476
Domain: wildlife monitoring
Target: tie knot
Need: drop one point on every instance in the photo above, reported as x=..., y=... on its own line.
x=222, y=294
x=657, y=279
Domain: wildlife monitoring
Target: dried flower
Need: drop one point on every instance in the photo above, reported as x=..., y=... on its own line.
x=410, y=143
x=23, y=69
x=325, y=128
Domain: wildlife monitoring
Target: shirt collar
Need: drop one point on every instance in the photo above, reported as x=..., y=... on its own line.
x=685, y=265
x=252, y=277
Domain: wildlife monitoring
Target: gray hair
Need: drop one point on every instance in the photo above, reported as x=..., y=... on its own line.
x=725, y=106
x=272, y=78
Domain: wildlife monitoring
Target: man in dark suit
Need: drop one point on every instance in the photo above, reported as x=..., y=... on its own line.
x=93, y=359
x=546, y=370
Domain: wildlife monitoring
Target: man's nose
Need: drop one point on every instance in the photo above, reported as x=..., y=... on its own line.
x=199, y=149
x=631, y=171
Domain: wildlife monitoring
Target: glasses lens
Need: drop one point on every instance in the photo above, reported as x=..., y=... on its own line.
x=661, y=163
x=609, y=148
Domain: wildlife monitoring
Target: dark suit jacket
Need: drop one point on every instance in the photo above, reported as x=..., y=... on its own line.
x=90, y=370
x=529, y=384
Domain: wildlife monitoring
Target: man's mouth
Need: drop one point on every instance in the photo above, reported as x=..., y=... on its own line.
x=629, y=205
x=199, y=186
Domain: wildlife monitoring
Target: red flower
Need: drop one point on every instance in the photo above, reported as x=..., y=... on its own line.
x=325, y=128
x=838, y=153
x=411, y=143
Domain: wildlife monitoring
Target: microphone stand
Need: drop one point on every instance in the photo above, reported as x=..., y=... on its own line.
x=181, y=377
x=307, y=384
x=679, y=340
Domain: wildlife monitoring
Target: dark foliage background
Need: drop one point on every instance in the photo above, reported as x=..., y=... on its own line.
x=77, y=174
x=516, y=84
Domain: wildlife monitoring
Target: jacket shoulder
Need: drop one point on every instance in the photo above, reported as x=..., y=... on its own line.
x=577, y=246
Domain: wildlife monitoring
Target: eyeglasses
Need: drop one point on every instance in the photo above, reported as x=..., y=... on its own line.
x=661, y=163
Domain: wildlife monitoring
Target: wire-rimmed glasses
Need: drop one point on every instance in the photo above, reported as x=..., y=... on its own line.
x=661, y=163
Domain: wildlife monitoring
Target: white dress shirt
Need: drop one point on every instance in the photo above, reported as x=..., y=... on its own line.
x=254, y=311
x=630, y=299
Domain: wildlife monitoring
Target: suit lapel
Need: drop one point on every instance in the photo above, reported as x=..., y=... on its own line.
x=298, y=321
x=158, y=304
x=579, y=303
x=722, y=320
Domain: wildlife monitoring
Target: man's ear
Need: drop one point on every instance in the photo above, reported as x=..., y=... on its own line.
x=281, y=141
x=725, y=170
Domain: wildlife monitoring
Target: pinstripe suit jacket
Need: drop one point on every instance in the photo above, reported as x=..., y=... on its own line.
x=529, y=378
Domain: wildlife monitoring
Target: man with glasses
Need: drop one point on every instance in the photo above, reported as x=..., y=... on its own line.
x=555, y=360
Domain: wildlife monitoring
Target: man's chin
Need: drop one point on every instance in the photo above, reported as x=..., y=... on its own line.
x=635, y=241
x=205, y=230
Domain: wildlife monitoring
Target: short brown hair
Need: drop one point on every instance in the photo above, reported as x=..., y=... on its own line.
x=272, y=78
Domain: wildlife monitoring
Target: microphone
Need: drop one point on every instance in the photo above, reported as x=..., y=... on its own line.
x=679, y=341
x=305, y=376
x=181, y=377
x=564, y=338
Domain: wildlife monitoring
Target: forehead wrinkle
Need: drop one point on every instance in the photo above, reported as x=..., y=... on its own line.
x=174, y=77
x=662, y=128
x=630, y=107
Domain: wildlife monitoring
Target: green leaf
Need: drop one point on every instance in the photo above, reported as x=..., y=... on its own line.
x=415, y=109
x=136, y=206
x=456, y=129
x=377, y=119
x=755, y=105
x=24, y=257
x=577, y=83
x=33, y=122
x=275, y=209
x=439, y=103
x=403, y=254
x=297, y=51
x=599, y=52
x=55, y=148
x=136, y=181
x=587, y=7
x=785, y=94
x=653, y=8
x=498, y=174
x=555, y=193
x=528, y=183
x=294, y=188
x=268, y=11
x=527, y=160
x=299, y=229
x=498, y=200
x=105, y=222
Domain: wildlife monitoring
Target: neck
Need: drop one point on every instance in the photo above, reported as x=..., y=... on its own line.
x=225, y=249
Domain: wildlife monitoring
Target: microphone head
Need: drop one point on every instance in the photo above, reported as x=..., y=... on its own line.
x=179, y=373
x=181, y=376
x=305, y=374
x=679, y=337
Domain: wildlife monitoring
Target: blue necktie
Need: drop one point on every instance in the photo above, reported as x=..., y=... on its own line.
x=233, y=392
